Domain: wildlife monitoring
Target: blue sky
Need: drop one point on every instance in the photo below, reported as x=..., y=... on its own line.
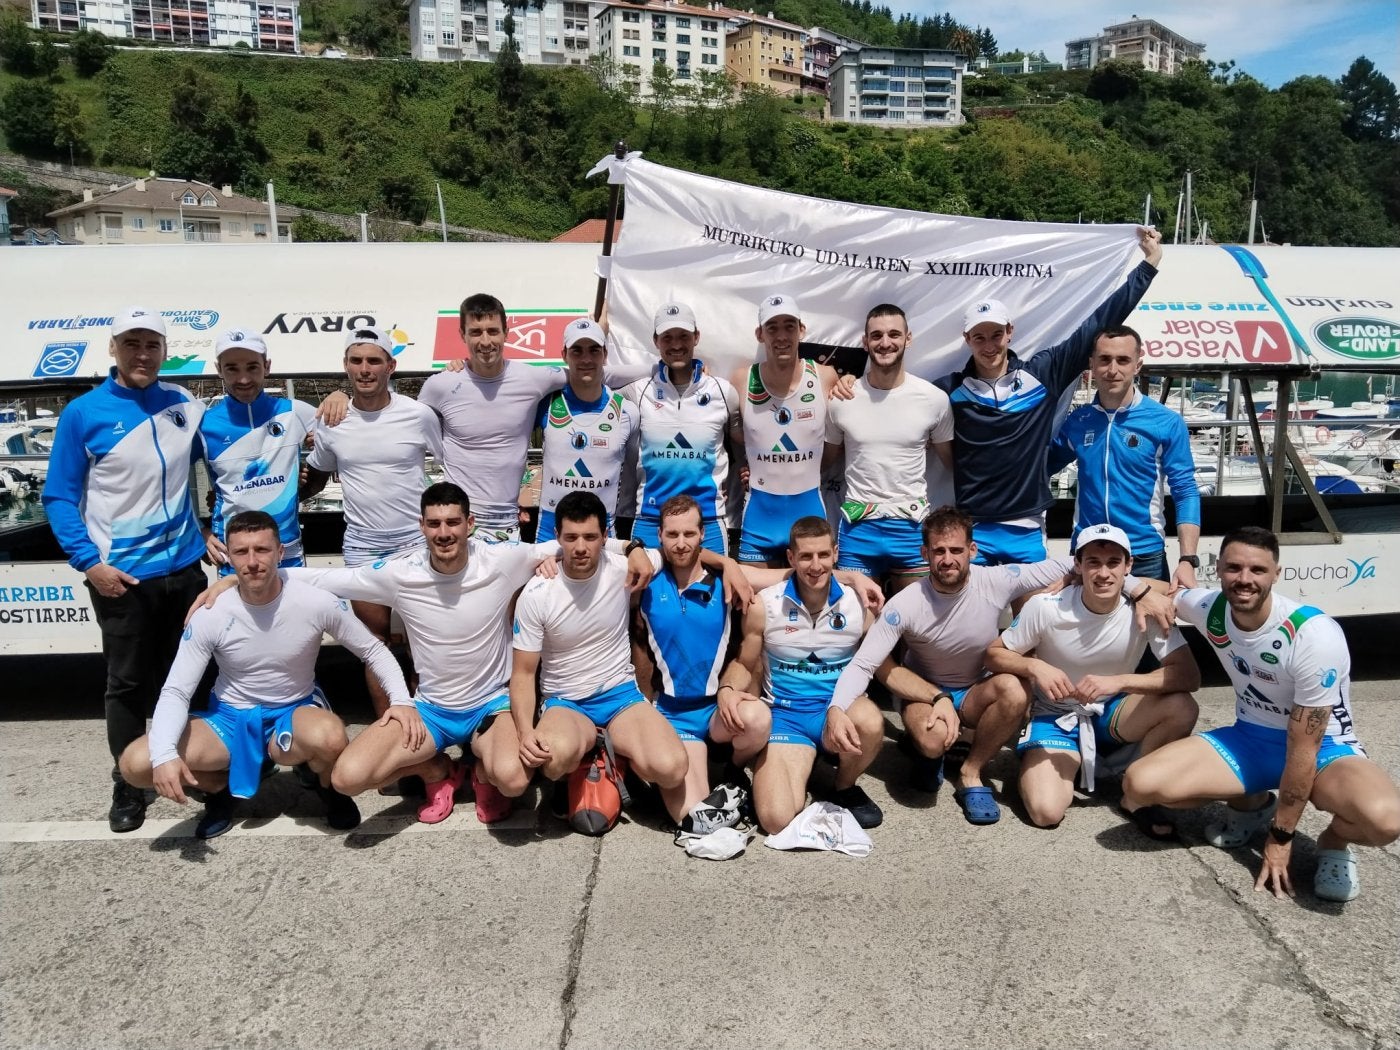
x=1272, y=40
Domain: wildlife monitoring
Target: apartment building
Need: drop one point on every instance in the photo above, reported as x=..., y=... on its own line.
x=1142, y=40
x=686, y=39
x=168, y=211
x=902, y=86
x=823, y=49
x=558, y=33
x=262, y=26
x=768, y=53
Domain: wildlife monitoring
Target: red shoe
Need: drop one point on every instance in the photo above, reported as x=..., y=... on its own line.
x=441, y=795
x=491, y=806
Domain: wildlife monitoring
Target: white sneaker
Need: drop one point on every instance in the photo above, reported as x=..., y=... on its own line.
x=1241, y=825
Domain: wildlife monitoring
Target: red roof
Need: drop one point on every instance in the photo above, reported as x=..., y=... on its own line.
x=590, y=231
x=6, y=192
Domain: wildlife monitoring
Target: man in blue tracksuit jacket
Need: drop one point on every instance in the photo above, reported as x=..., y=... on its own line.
x=1126, y=445
x=118, y=499
x=1004, y=417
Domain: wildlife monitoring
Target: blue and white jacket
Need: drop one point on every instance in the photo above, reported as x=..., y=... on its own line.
x=1002, y=429
x=1124, y=456
x=118, y=487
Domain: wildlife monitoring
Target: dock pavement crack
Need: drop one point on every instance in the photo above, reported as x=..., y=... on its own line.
x=576, y=945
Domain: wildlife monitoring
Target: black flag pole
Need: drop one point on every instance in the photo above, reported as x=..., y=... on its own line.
x=614, y=193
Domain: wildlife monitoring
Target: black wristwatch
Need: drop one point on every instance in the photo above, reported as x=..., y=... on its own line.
x=634, y=545
x=1283, y=838
x=1191, y=559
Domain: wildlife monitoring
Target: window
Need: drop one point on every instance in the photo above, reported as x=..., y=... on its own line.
x=709, y=60
x=112, y=227
x=683, y=38
x=449, y=38
x=683, y=73
x=235, y=229
x=447, y=7
x=631, y=16
x=896, y=85
x=709, y=41
x=658, y=54
x=632, y=52
x=259, y=229
x=552, y=41
x=166, y=226
x=631, y=34
x=500, y=25
x=658, y=36
x=138, y=223
x=429, y=38
x=682, y=23
x=209, y=201
x=896, y=114
x=189, y=198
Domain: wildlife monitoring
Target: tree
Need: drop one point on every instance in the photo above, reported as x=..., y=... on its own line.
x=375, y=26
x=1372, y=107
x=510, y=73
x=90, y=52
x=964, y=42
x=210, y=139
x=17, y=54
x=27, y=117
x=46, y=59
x=69, y=126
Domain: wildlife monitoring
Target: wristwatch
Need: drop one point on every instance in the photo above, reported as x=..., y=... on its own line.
x=1283, y=838
x=1191, y=559
x=634, y=545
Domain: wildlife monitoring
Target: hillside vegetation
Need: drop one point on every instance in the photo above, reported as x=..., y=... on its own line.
x=509, y=144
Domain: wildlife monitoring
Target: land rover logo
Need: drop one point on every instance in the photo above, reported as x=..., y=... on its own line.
x=1360, y=338
x=808, y=398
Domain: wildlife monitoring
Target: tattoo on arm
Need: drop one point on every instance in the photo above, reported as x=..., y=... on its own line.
x=1314, y=719
x=1291, y=798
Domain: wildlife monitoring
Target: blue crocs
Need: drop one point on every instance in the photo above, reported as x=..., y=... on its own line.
x=978, y=804
x=1336, y=878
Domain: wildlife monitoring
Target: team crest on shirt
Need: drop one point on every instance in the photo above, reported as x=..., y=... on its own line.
x=177, y=417
x=276, y=429
x=1088, y=438
x=792, y=615
x=838, y=622
x=1240, y=665
x=783, y=415
x=703, y=400
x=579, y=441
x=1329, y=678
x=892, y=617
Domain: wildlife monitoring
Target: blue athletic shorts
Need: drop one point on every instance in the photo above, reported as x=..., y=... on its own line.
x=1255, y=753
x=648, y=531
x=958, y=693
x=798, y=725
x=246, y=732
x=1002, y=544
x=605, y=706
x=881, y=546
x=449, y=726
x=1041, y=733
x=768, y=521
x=689, y=715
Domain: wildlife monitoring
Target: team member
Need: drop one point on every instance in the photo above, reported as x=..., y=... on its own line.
x=487, y=411
x=118, y=500
x=887, y=428
x=1126, y=446
x=586, y=426
x=252, y=446
x=946, y=622
x=1004, y=411
x=1293, y=729
x=572, y=631
x=798, y=636
x=784, y=417
x=379, y=453
x=688, y=421
x=1086, y=646
x=264, y=639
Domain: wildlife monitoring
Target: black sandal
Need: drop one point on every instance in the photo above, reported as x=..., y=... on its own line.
x=1147, y=820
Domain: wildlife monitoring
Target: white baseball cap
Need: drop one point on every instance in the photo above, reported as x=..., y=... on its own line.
x=986, y=311
x=134, y=317
x=584, y=328
x=778, y=306
x=240, y=339
x=1105, y=534
x=377, y=336
x=674, y=315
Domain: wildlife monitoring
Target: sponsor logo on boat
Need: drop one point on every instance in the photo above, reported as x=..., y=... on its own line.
x=1360, y=338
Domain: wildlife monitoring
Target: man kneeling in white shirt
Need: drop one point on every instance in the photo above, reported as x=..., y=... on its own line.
x=264, y=638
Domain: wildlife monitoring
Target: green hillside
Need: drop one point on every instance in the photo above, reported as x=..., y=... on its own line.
x=509, y=144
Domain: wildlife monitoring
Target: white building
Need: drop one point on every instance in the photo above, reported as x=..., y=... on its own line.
x=686, y=39
x=1142, y=40
x=263, y=25
x=895, y=85
x=558, y=34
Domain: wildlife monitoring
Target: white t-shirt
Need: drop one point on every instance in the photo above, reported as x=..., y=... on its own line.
x=1299, y=657
x=1067, y=634
x=266, y=654
x=945, y=635
x=379, y=456
x=457, y=625
x=486, y=426
x=579, y=628
x=887, y=434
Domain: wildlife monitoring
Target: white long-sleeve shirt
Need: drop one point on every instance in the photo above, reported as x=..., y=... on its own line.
x=266, y=654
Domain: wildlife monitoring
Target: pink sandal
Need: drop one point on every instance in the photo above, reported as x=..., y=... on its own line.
x=491, y=806
x=441, y=795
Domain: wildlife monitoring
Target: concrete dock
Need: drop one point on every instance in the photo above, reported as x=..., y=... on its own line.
x=281, y=934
